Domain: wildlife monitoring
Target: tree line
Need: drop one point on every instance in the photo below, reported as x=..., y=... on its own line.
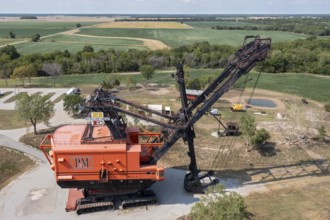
x=307, y=56
x=311, y=26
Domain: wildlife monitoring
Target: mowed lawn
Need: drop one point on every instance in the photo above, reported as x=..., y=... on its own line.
x=303, y=85
x=179, y=37
x=74, y=43
x=24, y=29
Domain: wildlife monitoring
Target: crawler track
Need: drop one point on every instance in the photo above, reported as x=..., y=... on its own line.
x=94, y=207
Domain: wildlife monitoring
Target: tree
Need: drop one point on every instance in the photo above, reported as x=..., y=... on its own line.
x=248, y=125
x=11, y=51
x=110, y=83
x=71, y=103
x=256, y=137
x=11, y=35
x=217, y=204
x=35, y=38
x=6, y=67
x=53, y=70
x=147, y=71
x=23, y=72
x=260, y=137
x=88, y=49
x=35, y=109
x=194, y=84
x=78, y=25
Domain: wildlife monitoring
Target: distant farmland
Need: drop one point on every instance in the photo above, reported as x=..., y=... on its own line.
x=210, y=24
x=76, y=43
x=172, y=34
x=24, y=29
x=179, y=37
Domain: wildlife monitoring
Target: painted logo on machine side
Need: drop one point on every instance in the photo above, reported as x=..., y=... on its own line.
x=81, y=162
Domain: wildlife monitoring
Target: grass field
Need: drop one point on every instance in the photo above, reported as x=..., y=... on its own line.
x=10, y=120
x=294, y=202
x=74, y=44
x=304, y=85
x=179, y=37
x=58, y=99
x=5, y=41
x=24, y=29
x=141, y=24
x=14, y=98
x=209, y=24
x=12, y=164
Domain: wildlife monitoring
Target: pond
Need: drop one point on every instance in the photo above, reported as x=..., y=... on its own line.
x=262, y=103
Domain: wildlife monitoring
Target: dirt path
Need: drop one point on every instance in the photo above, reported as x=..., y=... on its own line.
x=151, y=44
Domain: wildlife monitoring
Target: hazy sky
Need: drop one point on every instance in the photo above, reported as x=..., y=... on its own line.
x=167, y=6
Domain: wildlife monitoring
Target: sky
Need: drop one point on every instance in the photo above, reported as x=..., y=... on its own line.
x=166, y=6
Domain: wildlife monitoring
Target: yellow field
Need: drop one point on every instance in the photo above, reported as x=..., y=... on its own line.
x=151, y=24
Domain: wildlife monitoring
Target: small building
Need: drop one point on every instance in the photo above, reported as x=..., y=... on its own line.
x=168, y=110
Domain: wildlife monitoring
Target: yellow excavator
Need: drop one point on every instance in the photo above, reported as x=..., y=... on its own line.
x=237, y=108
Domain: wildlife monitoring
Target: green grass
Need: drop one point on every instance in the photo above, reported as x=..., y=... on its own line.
x=58, y=99
x=10, y=120
x=14, y=98
x=96, y=79
x=179, y=37
x=5, y=41
x=76, y=43
x=303, y=85
x=49, y=95
x=24, y=29
x=12, y=163
x=209, y=24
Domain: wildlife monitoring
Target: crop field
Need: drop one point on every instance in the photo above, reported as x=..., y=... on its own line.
x=74, y=43
x=173, y=34
x=152, y=24
x=209, y=24
x=179, y=37
x=4, y=41
x=24, y=29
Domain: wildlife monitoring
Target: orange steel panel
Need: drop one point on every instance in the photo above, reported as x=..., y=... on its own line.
x=74, y=160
